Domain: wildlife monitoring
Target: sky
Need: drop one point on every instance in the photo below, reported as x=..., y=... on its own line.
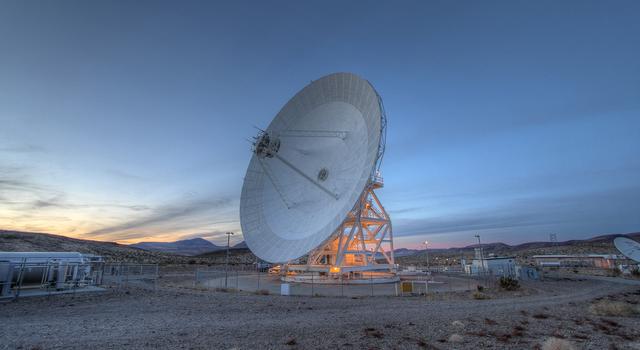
x=128, y=121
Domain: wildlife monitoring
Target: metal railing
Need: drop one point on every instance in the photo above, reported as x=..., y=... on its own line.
x=46, y=276
x=311, y=284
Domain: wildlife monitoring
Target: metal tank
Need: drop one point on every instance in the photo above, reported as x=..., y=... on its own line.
x=57, y=270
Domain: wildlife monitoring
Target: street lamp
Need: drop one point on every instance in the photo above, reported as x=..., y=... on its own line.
x=226, y=266
x=481, y=253
x=426, y=249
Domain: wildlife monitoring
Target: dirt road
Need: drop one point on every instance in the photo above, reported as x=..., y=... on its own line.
x=176, y=318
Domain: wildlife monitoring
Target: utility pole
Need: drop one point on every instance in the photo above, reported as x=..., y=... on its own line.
x=226, y=266
x=481, y=253
x=426, y=249
x=554, y=242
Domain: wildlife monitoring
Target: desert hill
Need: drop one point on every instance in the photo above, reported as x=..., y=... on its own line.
x=189, y=247
x=39, y=242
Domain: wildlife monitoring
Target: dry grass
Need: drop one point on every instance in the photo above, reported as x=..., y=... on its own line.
x=614, y=308
x=480, y=296
x=490, y=322
x=518, y=331
x=557, y=344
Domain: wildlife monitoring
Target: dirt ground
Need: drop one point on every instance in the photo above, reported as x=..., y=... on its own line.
x=180, y=317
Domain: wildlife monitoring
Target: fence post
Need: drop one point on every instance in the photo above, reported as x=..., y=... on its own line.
x=426, y=288
x=155, y=283
x=20, y=276
x=371, y=282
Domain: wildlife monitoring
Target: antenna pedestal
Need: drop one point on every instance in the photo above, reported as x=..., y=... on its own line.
x=360, y=250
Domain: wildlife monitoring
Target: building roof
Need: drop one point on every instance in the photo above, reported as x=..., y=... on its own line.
x=582, y=256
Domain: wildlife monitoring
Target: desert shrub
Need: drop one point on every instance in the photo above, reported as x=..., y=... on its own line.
x=480, y=296
x=262, y=292
x=509, y=283
x=479, y=288
x=456, y=338
x=457, y=323
x=226, y=290
x=613, y=308
x=490, y=322
x=557, y=344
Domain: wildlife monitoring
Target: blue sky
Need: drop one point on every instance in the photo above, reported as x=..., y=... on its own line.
x=128, y=121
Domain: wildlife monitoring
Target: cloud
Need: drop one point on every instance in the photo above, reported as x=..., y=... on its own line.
x=125, y=175
x=617, y=208
x=166, y=216
x=23, y=149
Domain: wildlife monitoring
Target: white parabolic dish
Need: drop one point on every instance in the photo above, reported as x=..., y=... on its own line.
x=324, y=145
x=628, y=247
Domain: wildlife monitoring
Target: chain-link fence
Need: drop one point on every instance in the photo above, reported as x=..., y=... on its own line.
x=52, y=275
x=126, y=274
x=313, y=284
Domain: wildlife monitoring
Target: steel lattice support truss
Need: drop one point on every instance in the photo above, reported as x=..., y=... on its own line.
x=366, y=234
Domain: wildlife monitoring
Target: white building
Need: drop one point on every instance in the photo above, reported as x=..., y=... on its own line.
x=494, y=265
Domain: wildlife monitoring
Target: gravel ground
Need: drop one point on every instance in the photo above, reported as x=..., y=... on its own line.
x=183, y=318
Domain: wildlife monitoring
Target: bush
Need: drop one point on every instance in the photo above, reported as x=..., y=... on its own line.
x=480, y=296
x=614, y=308
x=635, y=273
x=509, y=283
x=262, y=292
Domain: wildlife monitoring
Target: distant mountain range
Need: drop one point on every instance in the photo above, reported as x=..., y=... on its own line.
x=188, y=247
x=201, y=250
x=596, y=244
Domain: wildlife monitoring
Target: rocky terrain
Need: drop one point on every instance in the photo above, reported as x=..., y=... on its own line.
x=575, y=313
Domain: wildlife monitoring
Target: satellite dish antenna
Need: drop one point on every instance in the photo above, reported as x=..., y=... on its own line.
x=309, y=187
x=628, y=247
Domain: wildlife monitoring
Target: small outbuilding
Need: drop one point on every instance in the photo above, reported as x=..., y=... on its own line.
x=602, y=261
